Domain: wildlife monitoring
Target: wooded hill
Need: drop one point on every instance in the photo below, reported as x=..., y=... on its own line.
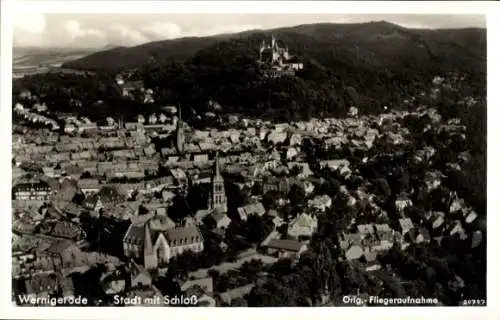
x=369, y=65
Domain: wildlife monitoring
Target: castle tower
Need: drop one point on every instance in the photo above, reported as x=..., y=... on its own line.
x=286, y=54
x=150, y=258
x=179, y=138
x=217, y=199
x=262, y=48
x=275, y=50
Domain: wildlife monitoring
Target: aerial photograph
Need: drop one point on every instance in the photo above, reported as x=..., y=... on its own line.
x=249, y=160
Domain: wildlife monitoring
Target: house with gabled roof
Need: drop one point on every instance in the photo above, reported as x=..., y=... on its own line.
x=346, y=240
x=278, y=221
x=476, y=239
x=303, y=169
x=437, y=221
x=354, y=252
x=402, y=202
x=139, y=277
x=64, y=251
x=365, y=229
x=251, y=209
x=36, y=190
x=291, y=153
x=417, y=235
x=112, y=283
x=457, y=205
x=320, y=203
x=457, y=229
x=42, y=285
x=122, y=210
x=201, y=214
x=382, y=228
x=335, y=164
x=273, y=235
x=276, y=137
x=221, y=220
x=470, y=217
x=386, y=240
x=304, y=225
x=62, y=229
x=405, y=225
x=369, y=257
x=423, y=235
x=88, y=186
x=286, y=248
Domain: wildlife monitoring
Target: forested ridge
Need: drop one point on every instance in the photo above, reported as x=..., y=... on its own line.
x=367, y=65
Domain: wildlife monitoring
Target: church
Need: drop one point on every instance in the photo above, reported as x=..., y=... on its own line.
x=152, y=240
x=217, y=200
x=180, y=150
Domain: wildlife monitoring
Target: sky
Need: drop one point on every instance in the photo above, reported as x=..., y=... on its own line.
x=101, y=30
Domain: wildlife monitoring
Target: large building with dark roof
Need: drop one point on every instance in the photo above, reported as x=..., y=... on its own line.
x=31, y=191
x=154, y=242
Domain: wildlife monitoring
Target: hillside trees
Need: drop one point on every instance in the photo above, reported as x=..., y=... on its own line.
x=366, y=65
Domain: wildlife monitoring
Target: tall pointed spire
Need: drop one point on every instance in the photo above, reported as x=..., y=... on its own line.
x=150, y=259
x=217, y=175
x=179, y=141
x=148, y=242
x=217, y=199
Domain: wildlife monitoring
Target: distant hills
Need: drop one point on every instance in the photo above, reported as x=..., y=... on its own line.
x=31, y=57
x=124, y=58
x=373, y=45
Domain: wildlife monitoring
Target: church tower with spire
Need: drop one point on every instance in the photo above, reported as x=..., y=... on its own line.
x=150, y=258
x=217, y=199
x=180, y=138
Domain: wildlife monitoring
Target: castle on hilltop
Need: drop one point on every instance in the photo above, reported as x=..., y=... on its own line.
x=276, y=61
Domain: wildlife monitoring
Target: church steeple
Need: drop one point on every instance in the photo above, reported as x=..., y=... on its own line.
x=217, y=200
x=180, y=139
x=150, y=258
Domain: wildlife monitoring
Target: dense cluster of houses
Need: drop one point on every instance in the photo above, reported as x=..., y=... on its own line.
x=121, y=171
